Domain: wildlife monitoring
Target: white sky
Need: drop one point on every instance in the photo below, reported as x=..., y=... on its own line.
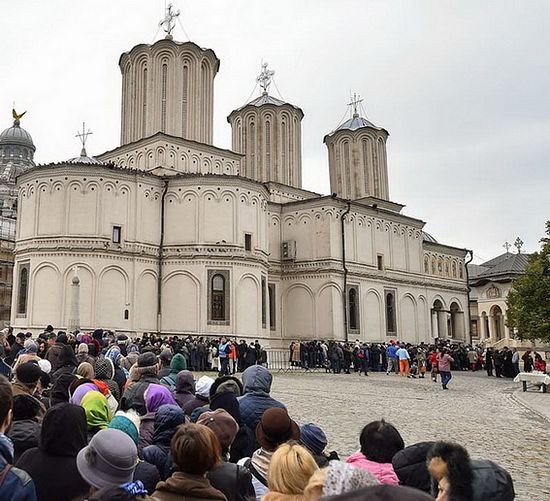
x=462, y=87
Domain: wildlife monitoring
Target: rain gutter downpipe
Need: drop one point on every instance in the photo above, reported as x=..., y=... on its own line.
x=344, y=267
x=466, y=263
x=160, y=257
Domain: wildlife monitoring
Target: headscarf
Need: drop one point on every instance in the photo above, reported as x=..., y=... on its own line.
x=127, y=422
x=342, y=477
x=81, y=391
x=104, y=368
x=113, y=353
x=82, y=348
x=98, y=413
x=157, y=395
x=63, y=430
x=86, y=370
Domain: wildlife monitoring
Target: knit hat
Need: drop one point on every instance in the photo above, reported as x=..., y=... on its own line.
x=108, y=460
x=178, y=363
x=82, y=348
x=147, y=359
x=313, y=438
x=226, y=383
x=222, y=424
x=30, y=346
x=342, y=477
x=104, y=368
x=276, y=428
x=28, y=373
x=62, y=338
x=165, y=356
x=382, y=493
x=45, y=366
x=25, y=407
x=202, y=387
x=128, y=422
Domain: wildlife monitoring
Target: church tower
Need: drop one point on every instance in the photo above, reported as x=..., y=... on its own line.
x=268, y=132
x=168, y=87
x=357, y=158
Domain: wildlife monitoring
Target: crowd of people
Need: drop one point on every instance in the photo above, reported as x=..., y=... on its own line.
x=104, y=417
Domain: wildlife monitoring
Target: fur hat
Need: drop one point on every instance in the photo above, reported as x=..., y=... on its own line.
x=222, y=424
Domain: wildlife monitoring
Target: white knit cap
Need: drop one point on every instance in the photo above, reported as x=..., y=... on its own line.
x=203, y=385
x=45, y=365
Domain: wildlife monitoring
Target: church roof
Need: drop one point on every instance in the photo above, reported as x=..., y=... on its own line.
x=84, y=159
x=507, y=266
x=354, y=123
x=428, y=238
x=16, y=135
x=265, y=99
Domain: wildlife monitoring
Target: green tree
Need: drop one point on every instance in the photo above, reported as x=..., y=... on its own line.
x=529, y=298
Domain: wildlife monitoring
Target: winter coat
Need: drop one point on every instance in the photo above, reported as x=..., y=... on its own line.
x=384, y=472
x=52, y=464
x=17, y=484
x=25, y=435
x=233, y=480
x=147, y=474
x=186, y=487
x=198, y=401
x=491, y=481
x=177, y=365
x=256, y=400
x=185, y=388
x=18, y=388
x=146, y=431
x=132, y=397
x=167, y=420
x=410, y=466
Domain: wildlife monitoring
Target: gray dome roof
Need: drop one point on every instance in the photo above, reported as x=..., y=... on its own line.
x=84, y=159
x=15, y=135
x=428, y=238
x=264, y=99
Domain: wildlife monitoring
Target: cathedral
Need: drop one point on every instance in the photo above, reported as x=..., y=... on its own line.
x=168, y=233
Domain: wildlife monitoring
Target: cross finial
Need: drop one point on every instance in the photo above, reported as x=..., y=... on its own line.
x=518, y=243
x=169, y=21
x=83, y=136
x=264, y=78
x=507, y=246
x=355, y=100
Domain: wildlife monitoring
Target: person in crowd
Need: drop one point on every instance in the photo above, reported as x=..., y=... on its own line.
x=109, y=460
x=66, y=362
x=27, y=379
x=25, y=429
x=233, y=480
x=85, y=370
x=146, y=373
x=56, y=344
x=515, y=362
x=527, y=361
x=52, y=464
x=132, y=491
x=224, y=349
x=167, y=419
x=16, y=485
x=451, y=471
x=98, y=412
x=15, y=348
x=256, y=398
x=83, y=354
x=28, y=354
x=155, y=396
x=421, y=360
x=233, y=356
x=540, y=364
x=498, y=361
x=411, y=468
x=403, y=358
x=313, y=438
x=114, y=354
x=202, y=395
x=337, y=478
x=274, y=428
x=185, y=387
x=177, y=364
x=289, y=472
x=380, y=441
x=432, y=358
x=165, y=358
x=391, y=354
x=195, y=450
x=489, y=361
x=105, y=371
x=444, y=361
x=145, y=472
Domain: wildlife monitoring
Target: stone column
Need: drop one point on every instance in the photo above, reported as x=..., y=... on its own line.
x=482, y=330
x=435, y=326
x=492, y=329
x=74, y=318
x=443, y=324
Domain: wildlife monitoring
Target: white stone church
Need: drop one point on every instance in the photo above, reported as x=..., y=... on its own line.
x=169, y=233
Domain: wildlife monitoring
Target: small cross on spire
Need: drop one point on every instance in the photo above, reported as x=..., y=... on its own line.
x=83, y=136
x=169, y=23
x=507, y=246
x=264, y=78
x=518, y=244
x=354, y=103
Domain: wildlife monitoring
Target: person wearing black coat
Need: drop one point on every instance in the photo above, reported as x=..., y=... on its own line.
x=167, y=419
x=52, y=465
x=410, y=466
x=489, y=361
x=133, y=397
x=25, y=428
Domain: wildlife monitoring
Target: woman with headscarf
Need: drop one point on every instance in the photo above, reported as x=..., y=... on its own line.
x=120, y=374
x=83, y=354
x=52, y=465
x=85, y=370
x=105, y=371
x=185, y=388
x=155, y=396
x=80, y=392
x=177, y=364
x=66, y=363
x=98, y=412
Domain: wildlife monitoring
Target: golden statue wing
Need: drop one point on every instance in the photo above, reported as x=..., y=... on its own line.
x=15, y=115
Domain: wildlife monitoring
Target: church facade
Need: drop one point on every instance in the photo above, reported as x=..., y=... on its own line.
x=168, y=233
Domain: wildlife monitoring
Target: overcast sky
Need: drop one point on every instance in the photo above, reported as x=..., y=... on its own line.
x=463, y=87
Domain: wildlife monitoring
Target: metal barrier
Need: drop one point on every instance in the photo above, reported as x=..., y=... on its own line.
x=280, y=361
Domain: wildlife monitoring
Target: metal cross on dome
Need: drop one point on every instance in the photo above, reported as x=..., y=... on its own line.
x=507, y=246
x=355, y=102
x=518, y=244
x=169, y=23
x=264, y=78
x=83, y=136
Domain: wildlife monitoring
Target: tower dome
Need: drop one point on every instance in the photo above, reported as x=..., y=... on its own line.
x=268, y=131
x=16, y=146
x=357, y=158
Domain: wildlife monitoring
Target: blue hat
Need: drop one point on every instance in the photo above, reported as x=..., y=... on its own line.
x=313, y=438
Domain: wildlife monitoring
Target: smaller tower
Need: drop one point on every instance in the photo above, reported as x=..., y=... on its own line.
x=357, y=157
x=268, y=132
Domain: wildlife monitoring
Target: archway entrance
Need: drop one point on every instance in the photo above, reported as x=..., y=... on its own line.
x=439, y=320
x=497, y=323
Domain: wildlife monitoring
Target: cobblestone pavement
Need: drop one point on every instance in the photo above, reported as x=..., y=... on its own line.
x=478, y=412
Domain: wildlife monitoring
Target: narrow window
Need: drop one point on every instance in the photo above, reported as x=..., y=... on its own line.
x=23, y=289
x=352, y=307
x=380, y=261
x=218, y=298
x=117, y=234
x=247, y=242
x=184, y=101
x=126, y=314
x=144, y=99
x=271, y=290
x=264, y=306
x=390, y=313
x=163, y=98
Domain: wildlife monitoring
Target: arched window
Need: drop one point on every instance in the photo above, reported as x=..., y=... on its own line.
x=433, y=265
x=23, y=289
x=184, y=99
x=352, y=307
x=218, y=297
x=460, y=272
x=163, y=97
x=390, y=313
x=426, y=265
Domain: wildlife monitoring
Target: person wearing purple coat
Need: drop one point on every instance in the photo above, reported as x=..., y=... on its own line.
x=155, y=396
